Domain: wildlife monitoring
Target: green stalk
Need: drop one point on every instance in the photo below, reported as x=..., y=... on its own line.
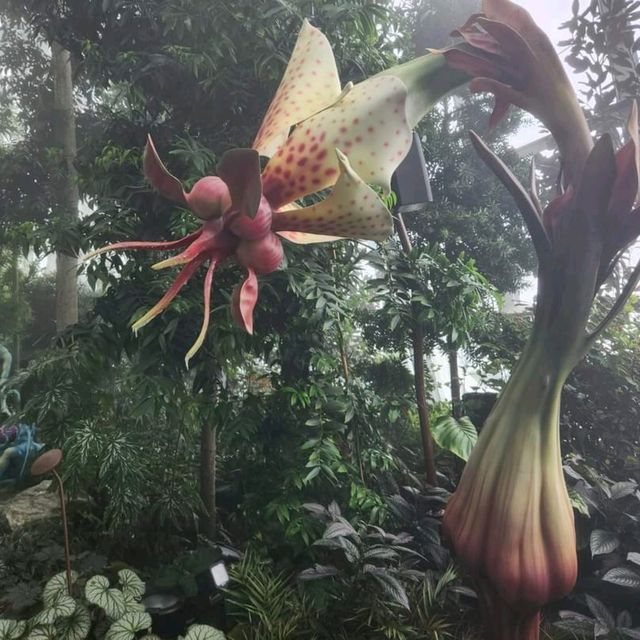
x=510, y=519
x=428, y=78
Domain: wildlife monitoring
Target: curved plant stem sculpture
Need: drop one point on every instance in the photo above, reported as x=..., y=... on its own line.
x=510, y=520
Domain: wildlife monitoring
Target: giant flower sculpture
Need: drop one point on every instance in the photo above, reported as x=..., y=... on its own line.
x=510, y=519
x=317, y=136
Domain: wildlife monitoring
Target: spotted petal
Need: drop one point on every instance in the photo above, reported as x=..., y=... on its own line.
x=369, y=124
x=299, y=237
x=352, y=210
x=310, y=84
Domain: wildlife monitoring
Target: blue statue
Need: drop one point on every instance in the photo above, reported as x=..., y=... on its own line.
x=17, y=441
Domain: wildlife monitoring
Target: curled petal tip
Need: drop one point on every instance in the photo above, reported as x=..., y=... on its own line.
x=205, y=318
x=170, y=262
x=165, y=301
x=164, y=182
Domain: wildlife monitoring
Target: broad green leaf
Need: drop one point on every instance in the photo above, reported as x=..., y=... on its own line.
x=132, y=604
x=127, y=627
x=600, y=612
x=578, y=502
x=390, y=585
x=76, y=626
x=130, y=583
x=457, y=436
x=317, y=572
x=623, y=577
x=578, y=626
x=341, y=527
x=203, y=632
x=55, y=586
x=623, y=489
x=62, y=607
x=99, y=593
x=11, y=629
x=43, y=632
x=602, y=542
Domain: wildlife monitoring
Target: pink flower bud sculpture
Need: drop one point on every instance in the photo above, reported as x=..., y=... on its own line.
x=510, y=520
x=317, y=136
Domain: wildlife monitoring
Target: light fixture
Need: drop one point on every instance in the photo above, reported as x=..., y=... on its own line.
x=410, y=182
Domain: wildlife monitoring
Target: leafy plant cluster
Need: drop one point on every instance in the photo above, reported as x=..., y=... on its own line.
x=115, y=613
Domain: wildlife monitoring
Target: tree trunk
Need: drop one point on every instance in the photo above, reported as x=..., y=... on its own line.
x=66, y=186
x=208, y=450
x=417, y=339
x=16, y=304
x=454, y=374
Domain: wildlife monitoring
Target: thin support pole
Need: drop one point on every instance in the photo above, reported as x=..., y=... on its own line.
x=65, y=528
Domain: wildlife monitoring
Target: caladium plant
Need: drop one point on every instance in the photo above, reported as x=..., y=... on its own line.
x=316, y=135
x=510, y=520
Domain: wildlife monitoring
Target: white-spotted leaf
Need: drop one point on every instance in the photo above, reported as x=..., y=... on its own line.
x=98, y=592
x=76, y=626
x=127, y=627
x=55, y=586
x=62, y=607
x=130, y=583
x=43, y=632
x=132, y=604
x=11, y=629
x=203, y=632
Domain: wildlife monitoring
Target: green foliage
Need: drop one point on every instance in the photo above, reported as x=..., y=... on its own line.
x=66, y=617
x=456, y=436
x=448, y=297
x=602, y=47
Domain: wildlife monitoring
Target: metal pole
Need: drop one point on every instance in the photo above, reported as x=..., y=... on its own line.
x=65, y=527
